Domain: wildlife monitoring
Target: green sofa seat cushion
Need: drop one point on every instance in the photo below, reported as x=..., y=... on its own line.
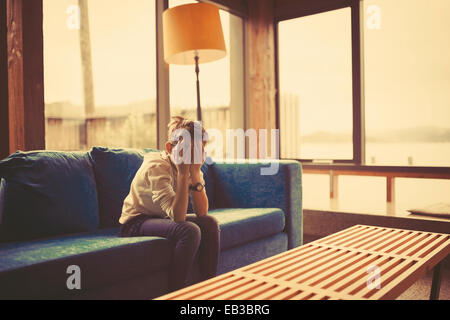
x=242, y=225
x=39, y=268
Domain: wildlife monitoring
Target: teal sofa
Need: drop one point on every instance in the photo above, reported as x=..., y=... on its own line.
x=61, y=209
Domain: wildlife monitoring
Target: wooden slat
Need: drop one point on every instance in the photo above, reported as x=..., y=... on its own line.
x=266, y=295
x=198, y=286
x=223, y=289
x=378, y=246
x=288, y=294
x=286, y=262
x=240, y=290
x=359, y=279
x=379, y=237
x=372, y=252
x=279, y=272
x=404, y=247
x=356, y=275
x=410, y=235
x=431, y=246
x=301, y=296
x=341, y=235
x=386, y=276
x=403, y=281
x=307, y=268
x=254, y=292
x=261, y=265
x=336, y=279
x=330, y=268
x=298, y=286
x=412, y=250
x=365, y=237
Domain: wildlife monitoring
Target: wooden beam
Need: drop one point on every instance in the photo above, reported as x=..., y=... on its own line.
x=334, y=185
x=4, y=114
x=289, y=9
x=390, y=189
x=237, y=74
x=237, y=7
x=260, y=109
x=25, y=75
x=359, y=139
x=162, y=79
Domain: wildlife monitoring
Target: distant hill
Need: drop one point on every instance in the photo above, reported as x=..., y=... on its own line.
x=415, y=134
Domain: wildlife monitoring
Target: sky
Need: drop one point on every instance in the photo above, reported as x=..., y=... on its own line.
x=407, y=66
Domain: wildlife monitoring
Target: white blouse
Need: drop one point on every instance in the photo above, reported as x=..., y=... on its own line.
x=152, y=190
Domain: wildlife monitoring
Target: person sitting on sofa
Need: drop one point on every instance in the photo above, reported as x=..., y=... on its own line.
x=157, y=203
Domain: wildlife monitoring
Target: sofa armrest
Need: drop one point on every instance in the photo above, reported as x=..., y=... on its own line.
x=242, y=185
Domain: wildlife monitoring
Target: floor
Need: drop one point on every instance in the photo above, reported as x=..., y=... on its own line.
x=421, y=289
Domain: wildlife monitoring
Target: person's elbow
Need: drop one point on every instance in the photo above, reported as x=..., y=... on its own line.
x=201, y=213
x=178, y=216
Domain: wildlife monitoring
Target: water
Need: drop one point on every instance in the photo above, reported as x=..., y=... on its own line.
x=388, y=154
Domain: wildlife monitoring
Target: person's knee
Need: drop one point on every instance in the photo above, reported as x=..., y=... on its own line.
x=189, y=231
x=210, y=223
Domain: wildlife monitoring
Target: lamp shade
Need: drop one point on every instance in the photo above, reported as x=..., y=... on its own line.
x=190, y=30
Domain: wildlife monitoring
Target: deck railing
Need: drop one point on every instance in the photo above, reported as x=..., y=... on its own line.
x=390, y=172
x=133, y=130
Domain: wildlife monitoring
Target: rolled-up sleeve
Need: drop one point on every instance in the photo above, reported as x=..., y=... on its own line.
x=161, y=186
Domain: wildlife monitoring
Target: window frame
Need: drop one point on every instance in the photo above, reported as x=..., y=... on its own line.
x=358, y=135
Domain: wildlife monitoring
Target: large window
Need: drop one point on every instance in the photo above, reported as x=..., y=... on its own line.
x=99, y=73
x=315, y=79
x=405, y=87
x=404, y=91
x=407, y=82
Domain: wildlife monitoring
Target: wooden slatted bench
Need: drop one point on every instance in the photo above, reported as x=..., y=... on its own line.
x=361, y=262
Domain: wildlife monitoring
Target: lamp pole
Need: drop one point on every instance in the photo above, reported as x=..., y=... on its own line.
x=197, y=71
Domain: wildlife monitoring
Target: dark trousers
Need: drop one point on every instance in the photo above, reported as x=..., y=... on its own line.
x=196, y=235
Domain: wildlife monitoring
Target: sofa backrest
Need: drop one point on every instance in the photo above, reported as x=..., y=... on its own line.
x=114, y=171
x=47, y=193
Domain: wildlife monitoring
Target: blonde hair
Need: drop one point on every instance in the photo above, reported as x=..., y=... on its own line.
x=178, y=122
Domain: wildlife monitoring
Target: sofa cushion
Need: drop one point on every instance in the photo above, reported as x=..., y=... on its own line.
x=39, y=268
x=48, y=193
x=114, y=171
x=240, y=226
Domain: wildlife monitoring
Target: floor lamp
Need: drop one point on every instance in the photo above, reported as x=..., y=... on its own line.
x=193, y=35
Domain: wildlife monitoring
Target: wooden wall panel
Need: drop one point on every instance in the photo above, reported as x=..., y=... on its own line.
x=25, y=75
x=4, y=117
x=33, y=75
